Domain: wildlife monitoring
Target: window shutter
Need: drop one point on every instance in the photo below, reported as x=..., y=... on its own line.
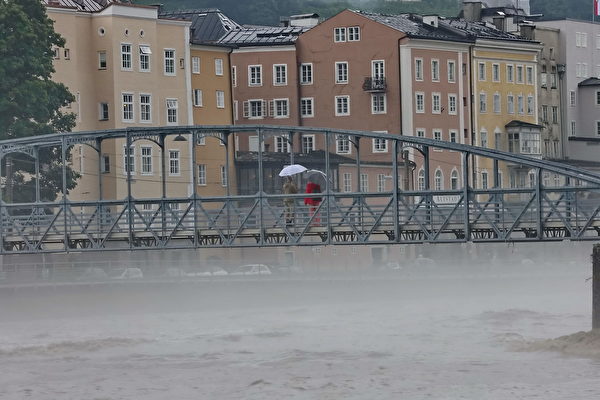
x=271, y=108
x=246, y=108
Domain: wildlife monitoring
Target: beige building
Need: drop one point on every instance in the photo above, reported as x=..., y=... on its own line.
x=127, y=68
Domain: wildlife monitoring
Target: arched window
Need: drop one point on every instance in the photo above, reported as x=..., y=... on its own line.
x=421, y=180
x=439, y=182
x=454, y=180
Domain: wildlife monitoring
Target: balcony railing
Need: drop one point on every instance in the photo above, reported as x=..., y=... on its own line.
x=374, y=84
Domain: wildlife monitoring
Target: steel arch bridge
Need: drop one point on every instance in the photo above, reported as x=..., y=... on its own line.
x=565, y=207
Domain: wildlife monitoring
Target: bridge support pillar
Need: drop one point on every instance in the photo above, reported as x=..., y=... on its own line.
x=596, y=287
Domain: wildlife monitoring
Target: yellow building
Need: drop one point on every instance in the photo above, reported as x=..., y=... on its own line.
x=127, y=68
x=504, y=93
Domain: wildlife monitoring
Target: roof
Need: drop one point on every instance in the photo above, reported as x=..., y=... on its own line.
x=483, y=30
x=208, y=25
x=262, y=36
x=590, y=82
x=81, y=5
x=413, y=26
x=580, y=163
x=516, y=124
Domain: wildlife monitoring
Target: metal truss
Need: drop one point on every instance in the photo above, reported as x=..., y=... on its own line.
x=539, y=212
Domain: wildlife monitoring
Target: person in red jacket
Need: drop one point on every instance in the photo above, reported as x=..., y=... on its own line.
x=313, y=202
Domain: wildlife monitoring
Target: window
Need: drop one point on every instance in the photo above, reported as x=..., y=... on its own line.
x=420, y=132
x=342, y=144
x=453, y=136
x=146, y=160
x=306, y=74
x=281, y=144
x=421, y=180
x=451, y=71
x=510, y=73
x=103, y=116
x=598, y=97
x=279, y=74
x=67, y=54
x=306, y=107
x=105, y=163
x=220, y=99
x=56, y=52
x=544, y=113
x=454, y=180
x=195, y=65
x=364, y=182
x=544, y=80
x=498, y=140
x=530, y=105
x=555, y=114
x=573, y=129
x=308, y=143
x=174, y=162
x=145, y=58
x=145, y=108
x=339, y=34
x=171, y=111
x=529, y=73
x=553, y=78
x=496, y=72
x=437, y=134
x=452, y=104
x=128, y=160
x=435, y=70
x=420, y=102
x=255, y=75
x=219, y=66
x=378, y=70
x=378, y=103
x=572, y=98
x=341, y=72
x=481, y=72
x=438, y=180
x=169, y=62
x=580, y=39
x=342, y=105
x=235, y=110
x=510, y=104
x=435, y=103
x=598, y=128
x=347, y=180
x=202, y=174
x=234, y=76
x=126, y=57
x=484, y=180
x=354, y=34
x=418, y=69
x=497, y=103
x=520, y=105
x=598, y=41
x=254, y=109
x=482, y=102
x=102, y=60
x=197, y=97
x=127, y=99
x=519, y=74
x=223, y=176
x=379, y=145
x=380, y=182
x=280, y=108
x=483, y=139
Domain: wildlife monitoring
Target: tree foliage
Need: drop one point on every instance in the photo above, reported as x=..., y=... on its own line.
x=30, y=102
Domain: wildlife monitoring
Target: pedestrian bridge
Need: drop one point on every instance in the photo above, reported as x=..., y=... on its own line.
x=556, y=202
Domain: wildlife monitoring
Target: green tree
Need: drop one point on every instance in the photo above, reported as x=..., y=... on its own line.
x=30, y=102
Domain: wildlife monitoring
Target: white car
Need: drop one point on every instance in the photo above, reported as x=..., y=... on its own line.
x=252, y=269
x=130, y=273
x=211, y=271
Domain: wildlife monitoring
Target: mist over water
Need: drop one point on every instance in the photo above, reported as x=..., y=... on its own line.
x=472, y=332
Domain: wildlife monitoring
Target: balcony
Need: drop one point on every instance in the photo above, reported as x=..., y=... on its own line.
x=374, y=85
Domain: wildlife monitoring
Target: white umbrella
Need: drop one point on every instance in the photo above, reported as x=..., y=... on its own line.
x=319, y=174
x=292, y=170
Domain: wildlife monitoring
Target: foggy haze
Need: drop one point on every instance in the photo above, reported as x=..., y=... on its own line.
x=441, y=330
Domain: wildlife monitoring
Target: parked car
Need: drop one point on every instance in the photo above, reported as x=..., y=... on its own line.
x=130, y=273
x=93, y=274
x=211, y=271
x=252, y=269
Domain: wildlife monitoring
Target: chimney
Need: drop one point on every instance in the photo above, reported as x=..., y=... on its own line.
x=500, y=23
x=528, y=32
x=431, y=20
x=472, y=10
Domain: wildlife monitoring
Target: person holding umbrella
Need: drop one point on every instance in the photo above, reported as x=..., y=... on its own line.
x=289, y=187
x=313, y=202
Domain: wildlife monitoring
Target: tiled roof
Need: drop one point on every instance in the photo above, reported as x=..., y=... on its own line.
x=208, y=25
x=263, y=36
x=482, y=30
x=82, y=5
x=414, y=27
